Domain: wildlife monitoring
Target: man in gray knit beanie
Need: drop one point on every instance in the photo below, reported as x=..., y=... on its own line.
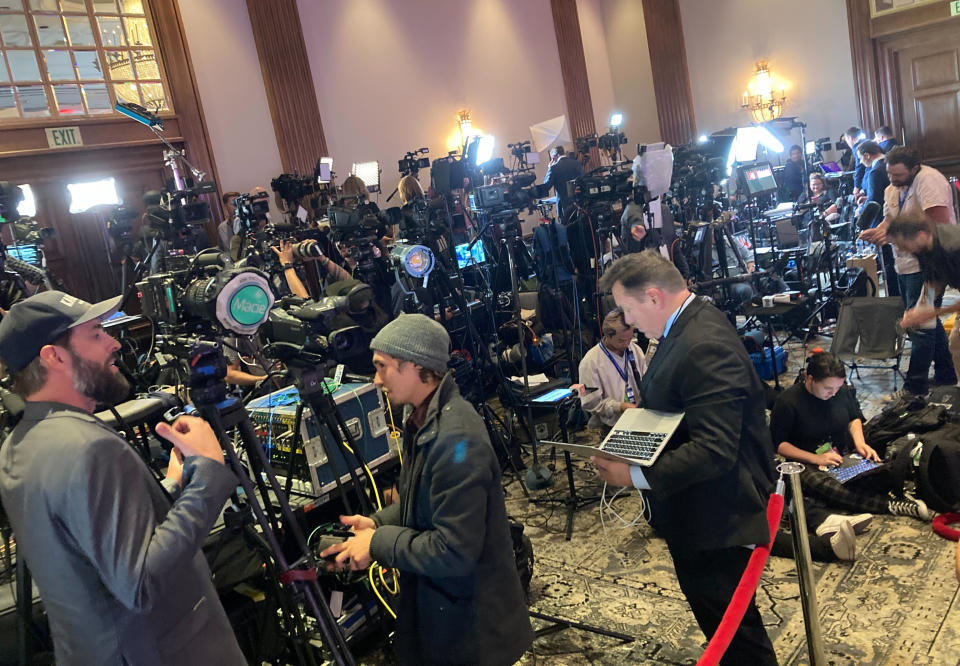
x=448, y=535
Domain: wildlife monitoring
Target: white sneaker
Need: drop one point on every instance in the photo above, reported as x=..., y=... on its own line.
x=844, y=543
x=833, y=522
x=910, y=506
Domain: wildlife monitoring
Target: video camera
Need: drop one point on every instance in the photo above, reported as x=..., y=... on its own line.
x=207, y=297
x=177, y=211
x=604, y=184
x=252, y=208
x=297, y=327
x=293, y=188
x=411, y=164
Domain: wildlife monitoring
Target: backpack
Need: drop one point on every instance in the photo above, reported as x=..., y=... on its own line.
x=906, y=415
x=523, y=554
x=932, y=460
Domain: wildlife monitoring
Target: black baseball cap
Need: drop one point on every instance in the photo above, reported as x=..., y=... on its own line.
x=41, y=319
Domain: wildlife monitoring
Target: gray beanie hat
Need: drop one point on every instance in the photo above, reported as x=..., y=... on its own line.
x=416, y=338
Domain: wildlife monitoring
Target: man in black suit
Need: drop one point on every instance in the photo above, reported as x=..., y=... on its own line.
x=563, y=168
x=708, y=491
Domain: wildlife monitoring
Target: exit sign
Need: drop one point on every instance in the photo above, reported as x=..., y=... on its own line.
x=955, y=8
x=63, y=137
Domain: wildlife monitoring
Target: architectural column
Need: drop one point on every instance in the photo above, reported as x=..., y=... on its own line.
x=573, y=68
x=671, y=79
x=288, y=82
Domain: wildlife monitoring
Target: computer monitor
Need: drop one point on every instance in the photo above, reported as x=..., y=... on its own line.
x=758, y=178
x=29, y=253
x=467, y=256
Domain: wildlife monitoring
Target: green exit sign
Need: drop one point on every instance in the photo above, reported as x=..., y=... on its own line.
x=63, y=137
x=955, y=8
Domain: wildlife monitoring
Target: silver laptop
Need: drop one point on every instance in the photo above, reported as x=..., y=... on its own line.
x=638, y=438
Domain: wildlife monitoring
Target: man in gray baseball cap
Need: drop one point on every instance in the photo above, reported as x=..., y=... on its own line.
x=460, y=596
x=115, y=554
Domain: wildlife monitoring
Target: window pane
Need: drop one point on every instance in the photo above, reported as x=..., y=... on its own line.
x=137, y=31
x=118, y=65
x=8, y=105
x=127, y=92
x=131, y=6
x=98, y=101
x=154, y=97
x=88, y=65
x=11, y=5
x=105, y=6
x=13, y=29
x=44, y=5
x=78, y=27
x=111, y=32
x=23, y=65
x=4, y=76
x=33, y=100
x=68, y=99
x=50, y=30
x=78, y=6
x=146, y=63
x=59, y=66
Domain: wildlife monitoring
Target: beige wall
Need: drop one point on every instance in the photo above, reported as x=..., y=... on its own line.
x=590, y=15
x=629, y=58
x=390, y=75
x=227, y=68
x=806, y=43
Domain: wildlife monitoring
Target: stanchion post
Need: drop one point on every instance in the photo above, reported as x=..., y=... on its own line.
x=808, y=587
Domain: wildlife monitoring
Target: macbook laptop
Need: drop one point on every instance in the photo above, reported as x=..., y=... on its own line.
x=637, y=438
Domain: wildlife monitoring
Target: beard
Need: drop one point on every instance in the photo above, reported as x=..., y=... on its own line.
x=99, y=382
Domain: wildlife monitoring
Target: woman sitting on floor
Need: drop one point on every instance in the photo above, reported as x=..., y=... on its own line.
x=817, y=421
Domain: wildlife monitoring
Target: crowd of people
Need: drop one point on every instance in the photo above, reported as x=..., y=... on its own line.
x=116, y=554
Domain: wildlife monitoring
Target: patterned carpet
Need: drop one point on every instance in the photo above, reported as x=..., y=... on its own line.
x=898, y=603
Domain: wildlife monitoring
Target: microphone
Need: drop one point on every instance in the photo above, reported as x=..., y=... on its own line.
x=869, y=216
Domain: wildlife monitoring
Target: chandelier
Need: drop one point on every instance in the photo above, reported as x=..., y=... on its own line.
x=122, y=68
x=764, y=97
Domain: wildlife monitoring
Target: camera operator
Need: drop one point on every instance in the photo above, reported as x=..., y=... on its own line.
x=117, y=562
x=792, y=186
x=853, y=137
x=885, y=137
x=226, y=229
x=461, y=601
x=563, y=168
x=635, y=237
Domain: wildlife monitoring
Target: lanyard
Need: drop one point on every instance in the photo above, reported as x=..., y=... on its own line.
x=902, y=198
x=627, y=357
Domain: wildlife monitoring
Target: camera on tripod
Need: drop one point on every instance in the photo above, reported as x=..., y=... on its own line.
x=606, y=184
x=292, y=187
x=208, y=298
x=411, y=164
x=252, y=207
x=305, y=328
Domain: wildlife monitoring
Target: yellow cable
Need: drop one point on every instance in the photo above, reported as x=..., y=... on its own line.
x=373, y=585
x=396, y=582
x=376, y=491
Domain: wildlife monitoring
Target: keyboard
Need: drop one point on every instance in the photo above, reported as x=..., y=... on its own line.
x=850, y=472
x=639, y=445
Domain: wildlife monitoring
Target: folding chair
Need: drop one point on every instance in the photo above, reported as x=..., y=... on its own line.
x=869, y=327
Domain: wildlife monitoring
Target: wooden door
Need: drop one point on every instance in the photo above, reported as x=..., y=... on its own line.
x=929, y=82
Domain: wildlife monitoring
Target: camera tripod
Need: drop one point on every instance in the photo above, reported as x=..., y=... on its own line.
x=208, y=390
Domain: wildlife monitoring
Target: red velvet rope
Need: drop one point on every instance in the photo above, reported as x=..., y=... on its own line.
x=745, y=590
x=941, y=525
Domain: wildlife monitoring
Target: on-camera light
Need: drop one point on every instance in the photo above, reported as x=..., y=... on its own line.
x=484, y=149
x=417, y=260
x=94, y=193
x=811, y=147
x=616, y=119
x=369, y=173
x=703, y=138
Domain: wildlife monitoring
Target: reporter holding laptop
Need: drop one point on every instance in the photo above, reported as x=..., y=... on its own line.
x=709, y=488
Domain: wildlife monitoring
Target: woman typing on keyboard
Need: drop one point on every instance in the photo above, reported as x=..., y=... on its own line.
x=818, y=421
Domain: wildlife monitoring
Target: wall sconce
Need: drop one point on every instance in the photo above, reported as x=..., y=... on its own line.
x=465, y=124
x=765, y=96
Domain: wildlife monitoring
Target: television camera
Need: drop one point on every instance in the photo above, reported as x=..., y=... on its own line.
x=411, y=164
x=298, y=328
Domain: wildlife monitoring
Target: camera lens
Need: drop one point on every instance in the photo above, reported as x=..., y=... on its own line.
x=306, y=249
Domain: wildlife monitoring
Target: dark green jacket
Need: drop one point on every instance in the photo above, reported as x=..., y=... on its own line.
x=460, y=595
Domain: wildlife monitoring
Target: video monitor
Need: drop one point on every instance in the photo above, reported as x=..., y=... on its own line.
x=467, y=256
x=758, y=178
x=29, y=253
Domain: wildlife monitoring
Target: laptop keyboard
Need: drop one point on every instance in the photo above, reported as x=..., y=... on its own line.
x=630, y=444
x=844, y=474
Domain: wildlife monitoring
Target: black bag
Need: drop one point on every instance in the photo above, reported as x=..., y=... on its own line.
x=938, y=475
x=523, y=553
x=908, y=414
